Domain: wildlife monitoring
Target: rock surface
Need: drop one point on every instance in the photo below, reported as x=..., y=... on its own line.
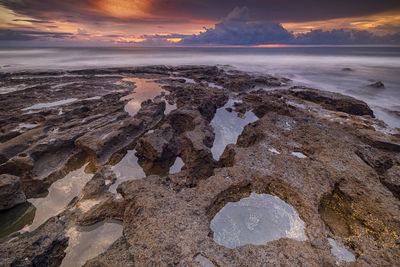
x=43, y=247
x=378, y=84
x=320, y=152
x=10, y=192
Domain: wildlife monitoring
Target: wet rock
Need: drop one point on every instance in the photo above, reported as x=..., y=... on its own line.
x=344, y=187
x=347, y=69
x=10, y=191
x=151, y=112
x=333, y=101
x=370, y=157
x=392, y=180
x=227, y=158
x=99, y=183
x=186, y=134
x=250, y=137
x=378, y=84
x=158, y=148
x=43, y=247
x=234, y=80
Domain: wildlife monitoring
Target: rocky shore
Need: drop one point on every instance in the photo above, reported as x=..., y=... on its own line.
x=322, y=153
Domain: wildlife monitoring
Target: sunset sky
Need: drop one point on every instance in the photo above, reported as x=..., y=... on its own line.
x=205, y=22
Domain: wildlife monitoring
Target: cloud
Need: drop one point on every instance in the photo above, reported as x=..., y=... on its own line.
x=90, y=11
x=161, y=11
x=343, y=37
x=23, y=35
x=32, y=20
x=234, y=29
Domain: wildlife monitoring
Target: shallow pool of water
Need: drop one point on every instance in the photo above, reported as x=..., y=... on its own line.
x=60, y=194
x=127, y=169
x=299, y=155
x=144, y=89
x=86, y=242
x=256, y=219
x=340, y=252
x=51, y=104
x=203, y=261
x=16, y=218
x=178, y=164
x=228, y=126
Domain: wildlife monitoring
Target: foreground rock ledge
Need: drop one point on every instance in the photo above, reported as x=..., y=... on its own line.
x=345, y=185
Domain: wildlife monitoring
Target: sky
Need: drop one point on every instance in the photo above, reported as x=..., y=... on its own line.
x=198, y=22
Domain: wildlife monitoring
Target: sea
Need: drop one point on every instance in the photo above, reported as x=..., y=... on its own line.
x=346, y=70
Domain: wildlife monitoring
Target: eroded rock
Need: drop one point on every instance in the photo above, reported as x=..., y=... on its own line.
x=10, y=192
x=43, y=247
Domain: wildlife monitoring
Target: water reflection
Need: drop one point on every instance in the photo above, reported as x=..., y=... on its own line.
x=340, y=252
x=178, y=164
x=144, y=89
x=203, y=261
x=60, y=194
x=127, y=169
x=86, y=242
x=228, y=126
x=51, y=104
x=14, y=219
x=257, y=219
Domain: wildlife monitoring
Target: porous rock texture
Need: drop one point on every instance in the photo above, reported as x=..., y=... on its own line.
x=346, y=185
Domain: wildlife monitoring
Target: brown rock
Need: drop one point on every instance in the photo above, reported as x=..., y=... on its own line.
x=10, y=192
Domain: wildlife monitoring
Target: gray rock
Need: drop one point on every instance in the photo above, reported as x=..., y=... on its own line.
x=378, y=84
x=10, y=193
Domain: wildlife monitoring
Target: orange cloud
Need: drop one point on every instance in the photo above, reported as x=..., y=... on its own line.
x=125, y=8
x=376, y=23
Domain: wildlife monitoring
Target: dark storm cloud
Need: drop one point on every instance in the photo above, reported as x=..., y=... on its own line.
x=21, y=35
x=234, y=29
x=177, y=10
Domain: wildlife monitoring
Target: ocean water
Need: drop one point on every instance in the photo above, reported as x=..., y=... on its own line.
x=318, y=67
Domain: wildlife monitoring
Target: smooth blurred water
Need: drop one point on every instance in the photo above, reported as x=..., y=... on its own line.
x=319, y=67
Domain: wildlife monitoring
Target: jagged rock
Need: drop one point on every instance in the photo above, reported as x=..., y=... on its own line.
x=391, y=180
x=151, y=112
x=333, y=101
x=379, y=163
x=310, y=148
x=10, y=191
x=43, y=247
x=99, y=184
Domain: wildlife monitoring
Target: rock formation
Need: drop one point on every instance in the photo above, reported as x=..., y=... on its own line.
x=323, y=153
